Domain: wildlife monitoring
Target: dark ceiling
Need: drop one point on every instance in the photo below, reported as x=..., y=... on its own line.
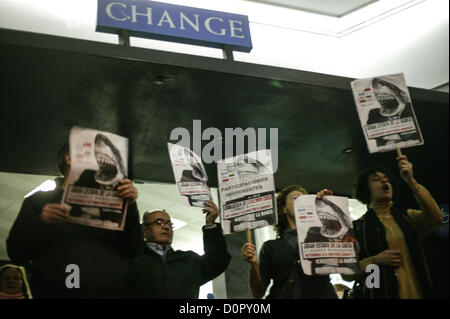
x=49, y=84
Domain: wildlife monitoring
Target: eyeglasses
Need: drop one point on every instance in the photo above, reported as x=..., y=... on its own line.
x=160, y=222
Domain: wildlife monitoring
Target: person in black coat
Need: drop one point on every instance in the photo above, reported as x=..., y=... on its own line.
x=70, y=260
x=279, y=259
x=161, y=272
x=390, y=236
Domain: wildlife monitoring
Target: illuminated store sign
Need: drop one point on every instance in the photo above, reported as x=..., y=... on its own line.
x=168, y=22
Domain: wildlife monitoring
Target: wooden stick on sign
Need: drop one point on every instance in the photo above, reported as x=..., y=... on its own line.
x=399, y=153
x=249, y=236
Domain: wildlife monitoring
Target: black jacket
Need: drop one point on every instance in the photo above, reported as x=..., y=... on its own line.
x=182, y=273
x=100, y=254
x=279, y=261
x=371, y=235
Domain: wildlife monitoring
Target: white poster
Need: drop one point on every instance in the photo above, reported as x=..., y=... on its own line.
x=99, y=160
x=190, y=175
x=247, y=192
x=386, y=113
x=325, y=235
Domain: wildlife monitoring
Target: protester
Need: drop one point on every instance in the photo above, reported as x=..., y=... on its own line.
x=279, y=258
x=70, y=260
x=389, y=237
x=164, y=273
x=13, y=283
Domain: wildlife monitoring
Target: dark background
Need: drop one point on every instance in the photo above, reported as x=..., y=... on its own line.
x=49, y=84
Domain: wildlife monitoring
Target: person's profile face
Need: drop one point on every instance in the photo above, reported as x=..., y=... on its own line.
x=380, y=187
x=11, y=281
x=333, y=224
x=290, y=199
x=388, y=99
x=157, y=228
x=107, y=163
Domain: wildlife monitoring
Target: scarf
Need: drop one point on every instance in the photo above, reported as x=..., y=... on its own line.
x=3, y=295
x=371, y=235
x=290, y=235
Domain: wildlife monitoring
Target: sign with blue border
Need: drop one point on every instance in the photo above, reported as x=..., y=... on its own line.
x=168, y=22
x=442, y=229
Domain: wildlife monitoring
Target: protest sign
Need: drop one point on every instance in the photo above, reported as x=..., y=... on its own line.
x=99, y=161
x=386, y=113
x=247, y=192
x=325, y=235
x=190, y=175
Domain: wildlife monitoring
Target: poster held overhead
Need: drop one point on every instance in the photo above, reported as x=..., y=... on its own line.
x=326, y=239
x=386, y=114
x=99, y=161
x=247, y=192
x=190, y=175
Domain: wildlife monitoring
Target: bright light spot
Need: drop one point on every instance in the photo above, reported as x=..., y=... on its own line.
x=46, y=186
x=337, y=279
x=356, y=208
x=177, y=224
x=205, y=290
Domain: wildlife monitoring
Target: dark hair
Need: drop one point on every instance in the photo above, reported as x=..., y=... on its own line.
x=281, y=204
x=362, y=191
x=25, y=288
x=100, y=137
x=60, y=160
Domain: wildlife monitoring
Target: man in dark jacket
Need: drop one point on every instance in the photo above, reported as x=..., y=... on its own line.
x=163, y=273
x=70, y=260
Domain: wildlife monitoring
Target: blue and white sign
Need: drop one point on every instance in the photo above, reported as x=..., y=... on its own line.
x=442, y=229
x=162, y=21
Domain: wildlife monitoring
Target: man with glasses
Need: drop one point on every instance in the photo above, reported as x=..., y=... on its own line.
x=163, y=273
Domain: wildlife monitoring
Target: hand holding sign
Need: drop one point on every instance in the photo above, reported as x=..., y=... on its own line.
x=324, y=192
x=128, y=191
x=212, y=212
x=54, y=213
x=406, y=171
x=404, y=174
x=248, y=253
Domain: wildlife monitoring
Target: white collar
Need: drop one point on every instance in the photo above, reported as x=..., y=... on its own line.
x=157, y=248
